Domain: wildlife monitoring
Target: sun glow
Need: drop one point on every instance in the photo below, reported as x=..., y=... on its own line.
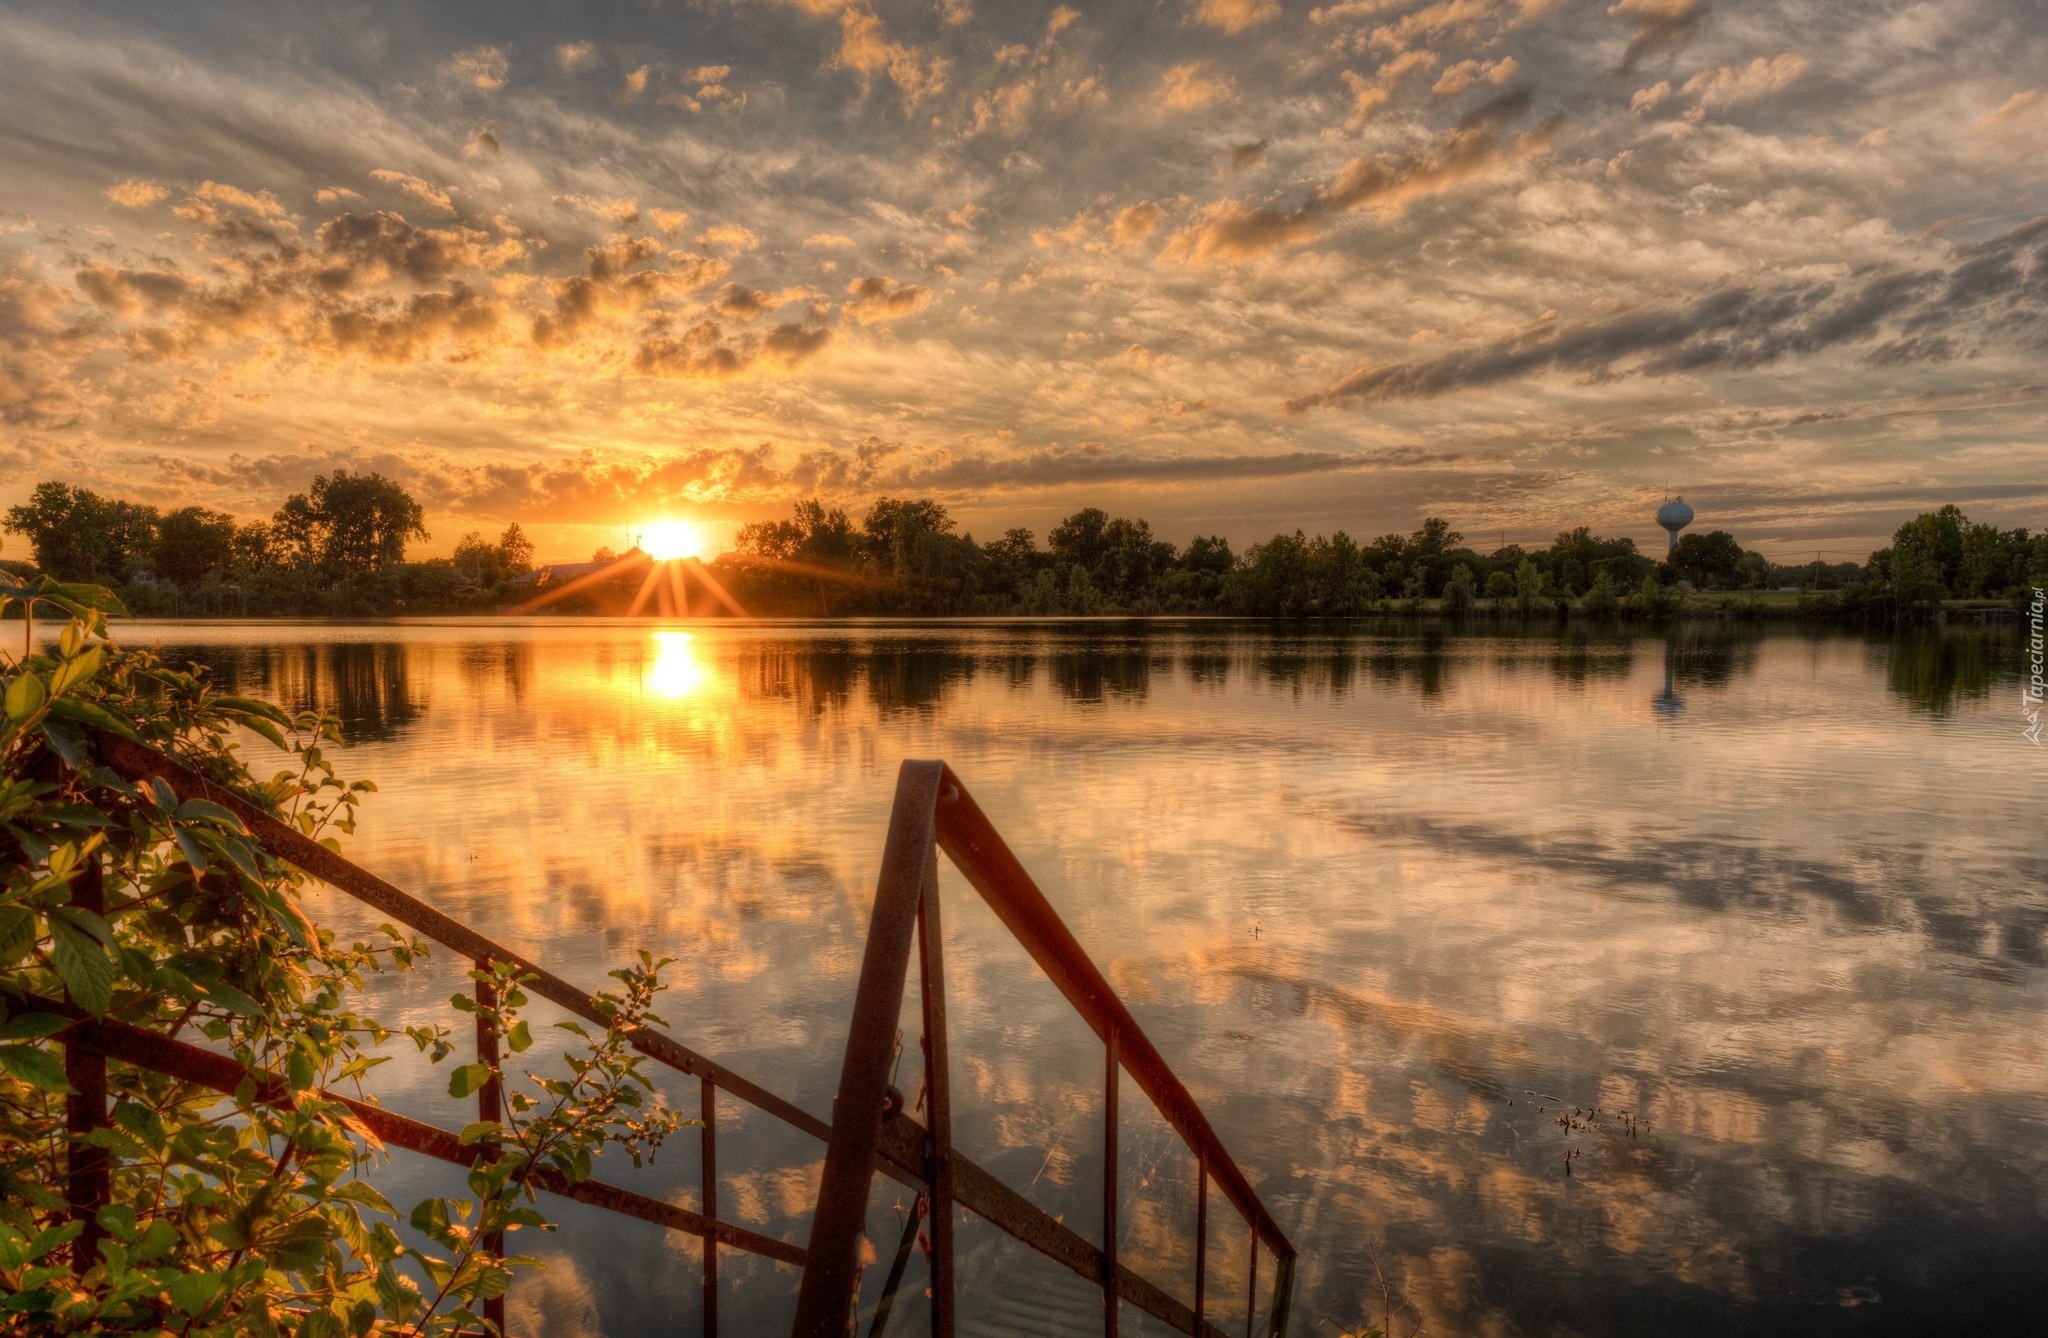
x=675, y=673
x=669, y=540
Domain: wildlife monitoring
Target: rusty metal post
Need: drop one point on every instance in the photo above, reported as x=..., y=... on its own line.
x=1283, y=1296
x=1109, y=1118
x=825, y=1302
x=1201, y=1232
x=90, y=1183
x=708, y=1145
x=938, y=1096
x=490, y=1105
x=1251, y=1295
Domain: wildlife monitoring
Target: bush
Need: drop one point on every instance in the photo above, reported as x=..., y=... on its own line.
x=226, y=1215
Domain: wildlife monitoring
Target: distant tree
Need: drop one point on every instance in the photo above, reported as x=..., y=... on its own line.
x=193, y=543
x=1528, y=585
x=604, y=554
x=1603, y=599
x=1081, y=538
x=1500, y=584
x=476, y=559
x=515, y=550
x=1132, y=560
x=893, y=528
x=1428, y=552
x=1461, y=590
x=1753, y=572
x=1933, y=541
x=1709, y=561
x=78, y=535
x=349, y=525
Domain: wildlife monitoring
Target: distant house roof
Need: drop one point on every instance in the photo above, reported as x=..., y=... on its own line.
x=569, y=571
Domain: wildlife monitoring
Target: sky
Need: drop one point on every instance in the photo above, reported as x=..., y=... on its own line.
x=1236, y=266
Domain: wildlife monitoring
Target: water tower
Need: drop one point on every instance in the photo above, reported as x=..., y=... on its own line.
x=1674, y=516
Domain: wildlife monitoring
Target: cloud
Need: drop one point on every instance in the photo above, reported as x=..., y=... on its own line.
x=2020, y=106
x=1229, y=231
x=1920, y=316
x=829, y=241
x=1243, y=157
x=612, y=208
x=486, y=67
x=1188, y=86
x=633, y=85
x=703, y=353
x=731, y=237
x=1136, y=222
x=877, y=299
x=668, y=220
x=1726, y=85
x=134, y=194
x=1461, y=76
x=574, y=56
x=741, y=303
x=483, y=143
x=426, y=192
x=1234, y=16
x=1657, y=24
x=866, y=50
x=199, y=206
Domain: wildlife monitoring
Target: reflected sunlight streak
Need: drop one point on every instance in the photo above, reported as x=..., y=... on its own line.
x=675, y=673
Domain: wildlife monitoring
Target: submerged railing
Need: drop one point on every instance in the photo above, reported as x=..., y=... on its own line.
x=869, y=1133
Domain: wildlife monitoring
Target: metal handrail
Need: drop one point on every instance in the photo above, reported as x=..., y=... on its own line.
x=933, y=812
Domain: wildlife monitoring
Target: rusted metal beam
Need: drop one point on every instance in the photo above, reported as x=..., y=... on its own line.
x=707, y=1096
x=1201, y=1233
x=937, y=1095
x=979, y=851
x=188, y=1063
x=825, y=1306
x=1109, y=1172
x=976, y=1190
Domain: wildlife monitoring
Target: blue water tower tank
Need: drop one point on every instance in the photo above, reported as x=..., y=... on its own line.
x=1674, y=516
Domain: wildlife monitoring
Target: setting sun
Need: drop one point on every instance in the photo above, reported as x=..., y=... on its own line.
x=668, y=540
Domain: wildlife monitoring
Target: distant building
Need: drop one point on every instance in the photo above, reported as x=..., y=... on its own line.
x=1674, y=516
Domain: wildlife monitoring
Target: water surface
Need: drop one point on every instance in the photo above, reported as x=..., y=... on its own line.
x=1391, y=901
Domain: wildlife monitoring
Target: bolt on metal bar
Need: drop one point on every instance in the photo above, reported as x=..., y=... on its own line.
x=89, y=1180
x=1109, y=1131
x=708, y=1168
x=490, y=1105
x=938, y=1094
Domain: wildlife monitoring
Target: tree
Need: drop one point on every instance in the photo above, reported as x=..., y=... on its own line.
x=78, y=535
x=1428, y=549
x=893, y=528
x=1603, y=599
x=349, y=525
x=1459, y=591
x=515, y=550
x=1709, y=561
x=192, y=543
x=1528, y=585
x=1081, y=538
x=1500, y=584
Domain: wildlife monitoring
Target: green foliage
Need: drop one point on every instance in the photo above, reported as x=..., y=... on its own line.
x=1603, y=600
x=1710, y=561
x=348, y=525
x=228, y=1215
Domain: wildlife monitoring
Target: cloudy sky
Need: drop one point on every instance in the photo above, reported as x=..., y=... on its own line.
x=1232, y=265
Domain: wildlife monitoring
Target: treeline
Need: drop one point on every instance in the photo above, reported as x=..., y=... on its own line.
x=338, y=550
x=335, y=550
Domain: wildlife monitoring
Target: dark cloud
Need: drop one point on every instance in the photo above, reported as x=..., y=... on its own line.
x=1996, y=291
x=1657, y=25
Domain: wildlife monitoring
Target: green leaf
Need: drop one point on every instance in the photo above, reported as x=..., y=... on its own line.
x=25, y=696
x=83, y=966
x=520, y=1038
x=87, y=713
x=479, y=1130
x=465, y=1080
x=192, y=1293
x=28, y=1026
x=298, y=1069
x=35, y=1066
x=202, y=810
x=72, y=672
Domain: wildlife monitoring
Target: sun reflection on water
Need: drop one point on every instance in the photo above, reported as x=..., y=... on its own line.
x=675, y=673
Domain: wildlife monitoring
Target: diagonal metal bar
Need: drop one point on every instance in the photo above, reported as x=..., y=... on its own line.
x=131, y=1044
x=938, y=1094
x=825, y=1302
x=971, y=841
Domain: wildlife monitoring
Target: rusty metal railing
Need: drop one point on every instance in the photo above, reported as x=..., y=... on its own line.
x=933, y=812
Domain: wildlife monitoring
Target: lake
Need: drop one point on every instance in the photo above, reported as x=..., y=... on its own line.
x=1392, y=899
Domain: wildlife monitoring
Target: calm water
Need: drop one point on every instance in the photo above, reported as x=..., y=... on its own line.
x=1388, y=901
